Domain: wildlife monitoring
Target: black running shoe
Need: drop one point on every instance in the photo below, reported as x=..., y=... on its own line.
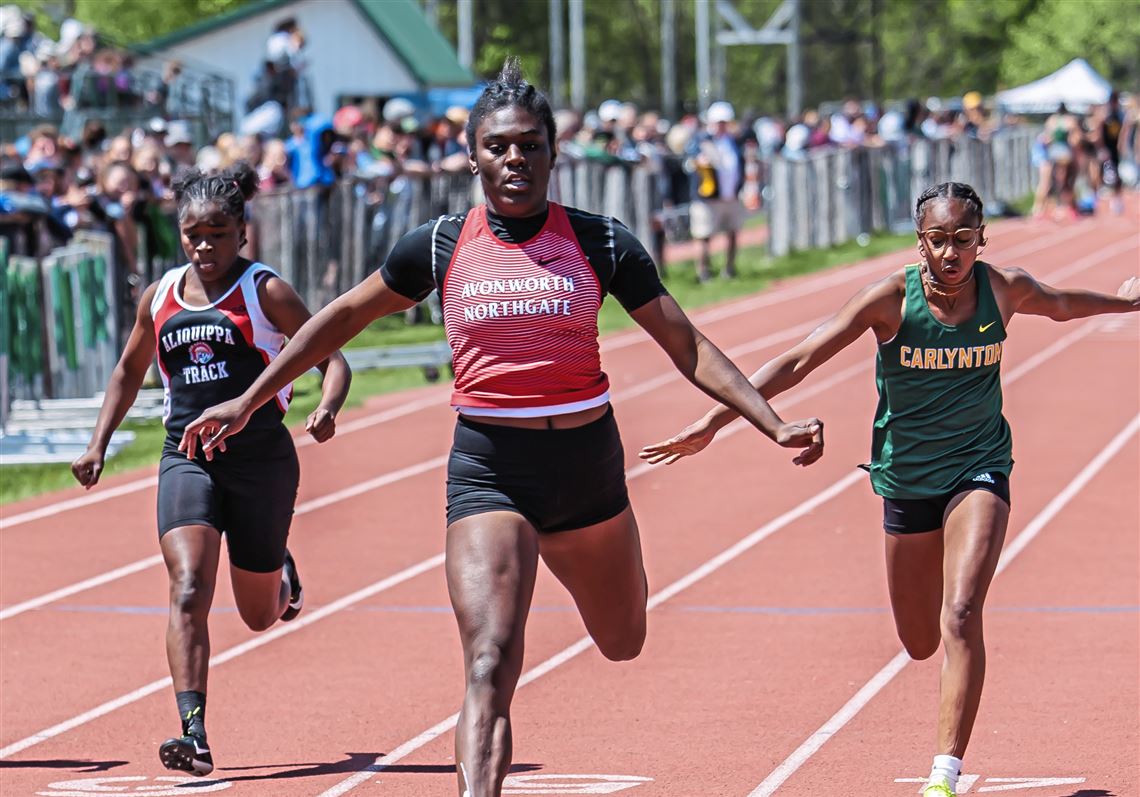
x=187, y=753
x=296, y=593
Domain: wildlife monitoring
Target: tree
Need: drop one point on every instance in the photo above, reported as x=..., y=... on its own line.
x=129, y=21
x=1105, y=33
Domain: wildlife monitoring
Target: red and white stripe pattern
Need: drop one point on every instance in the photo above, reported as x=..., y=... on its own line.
x=522, y=321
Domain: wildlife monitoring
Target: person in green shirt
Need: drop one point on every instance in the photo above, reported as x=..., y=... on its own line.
x=941, y=448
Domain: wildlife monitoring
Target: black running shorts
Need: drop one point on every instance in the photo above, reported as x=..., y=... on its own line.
x=916, y=515
x=558, y=479
x=247, y=493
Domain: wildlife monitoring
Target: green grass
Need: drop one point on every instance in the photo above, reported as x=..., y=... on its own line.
x=756, y=269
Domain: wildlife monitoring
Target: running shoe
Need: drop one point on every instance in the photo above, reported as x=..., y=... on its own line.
x=938, y=787
x=187, y=753
x=296, y=592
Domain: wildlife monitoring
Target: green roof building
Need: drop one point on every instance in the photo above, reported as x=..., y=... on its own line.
x=354, y=48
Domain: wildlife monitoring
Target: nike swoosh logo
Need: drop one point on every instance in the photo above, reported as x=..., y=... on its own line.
x=547, y=261
x=984, y=327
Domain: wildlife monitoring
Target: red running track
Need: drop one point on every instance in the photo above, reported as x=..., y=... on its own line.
x=771, y=665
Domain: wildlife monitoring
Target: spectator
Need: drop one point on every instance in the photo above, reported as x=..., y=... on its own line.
x=179, y=144
x=273, y=169
x=717, y=172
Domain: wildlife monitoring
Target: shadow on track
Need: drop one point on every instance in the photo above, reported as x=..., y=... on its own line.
x=355, y=762
x=78, y=766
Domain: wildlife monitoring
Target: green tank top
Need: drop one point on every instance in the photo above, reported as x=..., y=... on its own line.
x=939, y=419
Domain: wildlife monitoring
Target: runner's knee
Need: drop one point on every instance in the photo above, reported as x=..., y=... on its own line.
x=623, y=643
x=189, y=594
x=919, y=647
x=258, y=618
x=961, y=621
x=489, y=661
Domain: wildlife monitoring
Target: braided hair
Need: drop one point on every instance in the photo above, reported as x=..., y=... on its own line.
x=228, y=190
x=960, y=191
x=510, y=90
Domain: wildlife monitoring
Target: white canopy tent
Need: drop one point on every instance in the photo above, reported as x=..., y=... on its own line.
x=1076, y=84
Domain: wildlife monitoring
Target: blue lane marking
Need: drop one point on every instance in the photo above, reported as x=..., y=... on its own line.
x=809, y=611
x=785, y=611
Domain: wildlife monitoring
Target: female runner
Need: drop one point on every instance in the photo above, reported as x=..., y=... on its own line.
x=537, y=465
x=941, y=451
x=216, y=323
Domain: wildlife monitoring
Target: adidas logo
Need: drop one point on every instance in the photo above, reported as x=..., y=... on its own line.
x=984, y=477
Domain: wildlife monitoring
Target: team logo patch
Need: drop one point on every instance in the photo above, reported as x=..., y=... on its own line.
x=201, y=353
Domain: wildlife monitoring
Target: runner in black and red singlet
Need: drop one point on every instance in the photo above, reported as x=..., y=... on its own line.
x=216, y=323
x=537, y=468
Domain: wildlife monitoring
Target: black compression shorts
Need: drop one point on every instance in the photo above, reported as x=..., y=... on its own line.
x=247, y=493
x=558, y=479
x=916, y=515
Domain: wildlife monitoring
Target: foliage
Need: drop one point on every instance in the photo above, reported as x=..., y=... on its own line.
x=129, y=21
x=875, y=49
x=1106, y=33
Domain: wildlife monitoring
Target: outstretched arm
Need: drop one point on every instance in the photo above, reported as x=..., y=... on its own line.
x=320, y=336
x=122, y=388
x=703, y=364
x=877, y=307
x=1031, y=297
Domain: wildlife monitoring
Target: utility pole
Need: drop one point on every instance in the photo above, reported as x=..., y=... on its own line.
x=783, y=27
x=557, y=56
x=795, y=66
x=704, y=66
x=466, y=35
x=668, y=58
x=577, y=55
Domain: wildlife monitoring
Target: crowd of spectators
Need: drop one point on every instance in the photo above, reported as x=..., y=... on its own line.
x=709, y=168
x=43, y=77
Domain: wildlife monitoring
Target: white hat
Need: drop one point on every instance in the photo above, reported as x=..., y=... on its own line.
x=69, y=32
x=609, y=111
x=277, y=49
x=797, y=137
x=720, y=111
x=397, y=108
x=209, y=159
x=12, y=22
x=178, y=132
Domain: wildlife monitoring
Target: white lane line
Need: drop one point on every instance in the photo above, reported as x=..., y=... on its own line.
x=611, y=343
x=852, y=707
x=841, y=275
x=81, y=586
x=585, y=643
x=153, y=561
x=232, y=653
x=644, y=387
x=150, y=481
x=866, y=693
x=335, y=606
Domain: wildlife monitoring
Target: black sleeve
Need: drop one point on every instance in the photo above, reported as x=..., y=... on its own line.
x=408, y=268
x=635, y=281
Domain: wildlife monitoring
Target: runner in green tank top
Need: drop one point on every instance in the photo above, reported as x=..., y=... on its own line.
x=941, y=449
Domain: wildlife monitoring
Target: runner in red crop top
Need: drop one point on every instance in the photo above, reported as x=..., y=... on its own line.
x=537, y=467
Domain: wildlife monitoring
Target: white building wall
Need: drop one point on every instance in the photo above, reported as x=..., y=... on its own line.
x=344, y=53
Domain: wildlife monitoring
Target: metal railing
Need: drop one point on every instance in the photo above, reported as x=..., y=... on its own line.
x=828, y=197
x=60, y=335
x=325, y=239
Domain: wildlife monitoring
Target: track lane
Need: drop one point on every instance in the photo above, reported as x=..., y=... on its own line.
x=665, y=407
